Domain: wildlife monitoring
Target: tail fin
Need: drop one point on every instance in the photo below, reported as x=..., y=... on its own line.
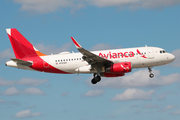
x=21, y=46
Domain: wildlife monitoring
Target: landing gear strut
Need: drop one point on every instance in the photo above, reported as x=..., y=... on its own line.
x=96, y=78
x=151, y=75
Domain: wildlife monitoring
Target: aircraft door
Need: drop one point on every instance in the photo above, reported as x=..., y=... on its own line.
x=150, y=53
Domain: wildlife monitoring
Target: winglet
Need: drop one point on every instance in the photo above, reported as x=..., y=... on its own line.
x=76, y=43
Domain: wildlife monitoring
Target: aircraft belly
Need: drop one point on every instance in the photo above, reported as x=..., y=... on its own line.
x=70, y=67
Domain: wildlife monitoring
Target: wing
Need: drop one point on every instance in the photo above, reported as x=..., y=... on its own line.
x=94, y=60
x=22, y=62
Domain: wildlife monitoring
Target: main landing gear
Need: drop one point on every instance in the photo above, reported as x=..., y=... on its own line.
x=151, y=75
x=96, y=78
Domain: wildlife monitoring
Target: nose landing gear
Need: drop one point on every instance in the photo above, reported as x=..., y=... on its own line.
x=96, y=78
x=151, y=75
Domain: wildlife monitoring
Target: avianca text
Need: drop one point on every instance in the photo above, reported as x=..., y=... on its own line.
x=117, y=55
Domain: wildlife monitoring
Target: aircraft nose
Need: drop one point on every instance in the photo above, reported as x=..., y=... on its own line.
x=172, y=57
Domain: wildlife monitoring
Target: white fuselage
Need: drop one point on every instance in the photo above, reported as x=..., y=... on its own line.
x=73, y=62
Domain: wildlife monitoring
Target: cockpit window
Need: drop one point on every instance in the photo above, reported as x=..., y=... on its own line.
x=163, y=51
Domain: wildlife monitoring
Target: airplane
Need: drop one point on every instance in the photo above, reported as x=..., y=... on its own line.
x=103, y=63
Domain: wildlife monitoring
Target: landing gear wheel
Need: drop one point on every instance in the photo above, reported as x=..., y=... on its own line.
x=151, y=75
x=93, y=81
x=96, y=79
x=150, y=70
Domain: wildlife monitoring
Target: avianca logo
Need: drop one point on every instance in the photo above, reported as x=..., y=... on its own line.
x=141, y=54
x=120, y=54
x=125, y=67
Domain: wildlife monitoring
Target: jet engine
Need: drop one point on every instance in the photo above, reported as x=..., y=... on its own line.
x=123, y=67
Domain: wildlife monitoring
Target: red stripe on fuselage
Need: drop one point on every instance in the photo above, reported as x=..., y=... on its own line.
x=40, y=65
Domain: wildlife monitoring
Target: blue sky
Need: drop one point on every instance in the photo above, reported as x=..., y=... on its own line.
x=96, y=24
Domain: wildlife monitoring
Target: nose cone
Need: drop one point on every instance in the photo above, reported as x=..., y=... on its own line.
x=171, y=57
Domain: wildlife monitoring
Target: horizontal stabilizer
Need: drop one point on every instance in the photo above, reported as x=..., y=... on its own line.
x=22, y=62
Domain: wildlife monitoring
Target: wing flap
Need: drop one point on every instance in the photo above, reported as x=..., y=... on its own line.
x=93, y=56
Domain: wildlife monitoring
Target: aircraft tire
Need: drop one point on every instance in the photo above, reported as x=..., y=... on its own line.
x=98, y=78
x=151, y=75
x=93, y=81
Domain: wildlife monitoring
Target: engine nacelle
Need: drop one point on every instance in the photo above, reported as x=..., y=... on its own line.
x=123, y=67
x=111, y=74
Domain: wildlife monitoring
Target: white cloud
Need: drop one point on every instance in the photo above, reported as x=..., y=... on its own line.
x=33, y=91
x=27, y=113
x=137, y=112
x=158, y=3
x=33, y=106
x=64, y=94
x=138, y=79
x=27, y=91
x=43, y=6
x=23, y=81
x=46, y=6
x=2, y=101
x=177, y=112
x=169, y=107
x=101, y=46
x=11, y=91
x=162, y=96
x=109, y=3
x=94, y=93
x=134, y=94
x=135, y=4
x=31, y=82
x=6, y=83
x=150, y=106
x=176, y=62
x=6, y=54
x=53, y=49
